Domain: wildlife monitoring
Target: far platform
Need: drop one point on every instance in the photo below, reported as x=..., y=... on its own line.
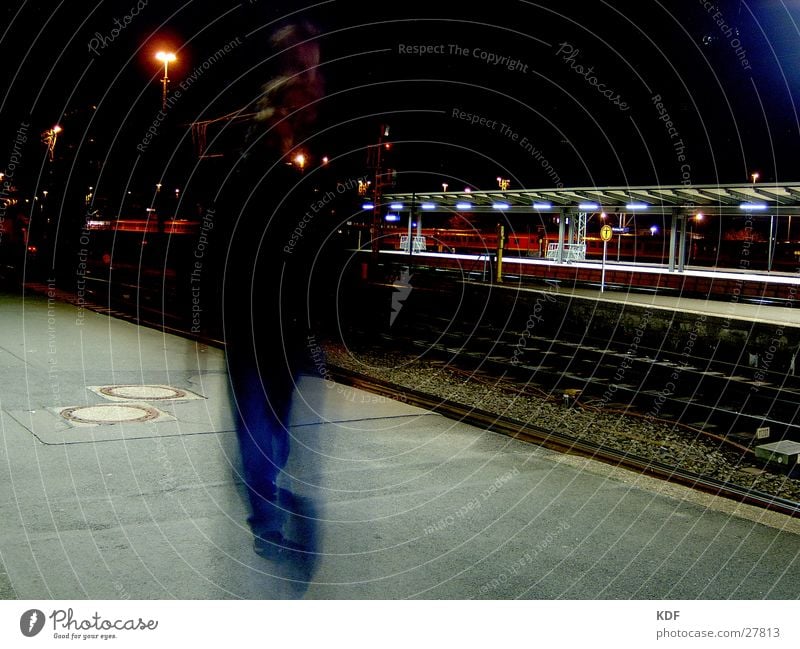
x=751, y=296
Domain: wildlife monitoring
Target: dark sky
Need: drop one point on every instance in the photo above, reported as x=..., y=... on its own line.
x=577, y=93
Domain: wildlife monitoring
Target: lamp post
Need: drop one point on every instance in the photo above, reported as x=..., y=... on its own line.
x=693, y=221
x=49, y=138
x=166, y=58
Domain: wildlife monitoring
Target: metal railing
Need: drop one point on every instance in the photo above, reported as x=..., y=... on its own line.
x=572, y=251
x=418, y=242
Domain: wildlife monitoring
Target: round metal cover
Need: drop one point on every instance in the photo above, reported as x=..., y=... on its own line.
x=143, y=392
x=110, y=414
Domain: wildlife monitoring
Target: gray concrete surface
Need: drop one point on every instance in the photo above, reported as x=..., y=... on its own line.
x=408, y=504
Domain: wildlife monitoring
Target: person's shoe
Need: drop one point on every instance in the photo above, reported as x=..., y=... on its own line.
x=270, y=545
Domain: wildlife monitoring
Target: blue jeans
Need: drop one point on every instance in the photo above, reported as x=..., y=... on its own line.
x=261, y=402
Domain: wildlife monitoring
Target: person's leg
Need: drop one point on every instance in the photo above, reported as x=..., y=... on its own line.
x=261, y=409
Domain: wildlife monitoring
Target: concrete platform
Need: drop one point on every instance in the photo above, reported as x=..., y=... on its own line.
x=407, y=503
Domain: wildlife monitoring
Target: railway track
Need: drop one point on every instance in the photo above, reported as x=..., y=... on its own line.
x=709, y=395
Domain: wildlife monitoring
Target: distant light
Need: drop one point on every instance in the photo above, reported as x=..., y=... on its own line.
x=653, y=230
x=500, y=206
x=57, y=129
x=463, y=206
x=752, y=206
x=542, y=206
x=428, y=206
x=636, y=206
x=467, y=190
x=168, y=57
x=396, y=206
x=603, y=215
x=368, y=206
x=588, y=206
x=392, y=217
x=325, y=160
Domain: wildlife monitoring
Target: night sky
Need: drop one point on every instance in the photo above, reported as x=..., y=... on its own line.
x=570, y=93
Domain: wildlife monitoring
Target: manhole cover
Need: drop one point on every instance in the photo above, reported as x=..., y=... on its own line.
x=143, y=392
x=110, y=414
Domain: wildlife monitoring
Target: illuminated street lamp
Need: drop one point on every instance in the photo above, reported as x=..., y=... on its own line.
x=49, y=138
x=755, y=176
x=166, y=58
x=300, y=161
x=692, y=222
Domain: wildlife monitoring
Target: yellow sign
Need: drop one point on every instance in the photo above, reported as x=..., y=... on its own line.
x=606, y=233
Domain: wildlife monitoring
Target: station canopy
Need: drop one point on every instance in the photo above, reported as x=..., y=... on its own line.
x=767, y=198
